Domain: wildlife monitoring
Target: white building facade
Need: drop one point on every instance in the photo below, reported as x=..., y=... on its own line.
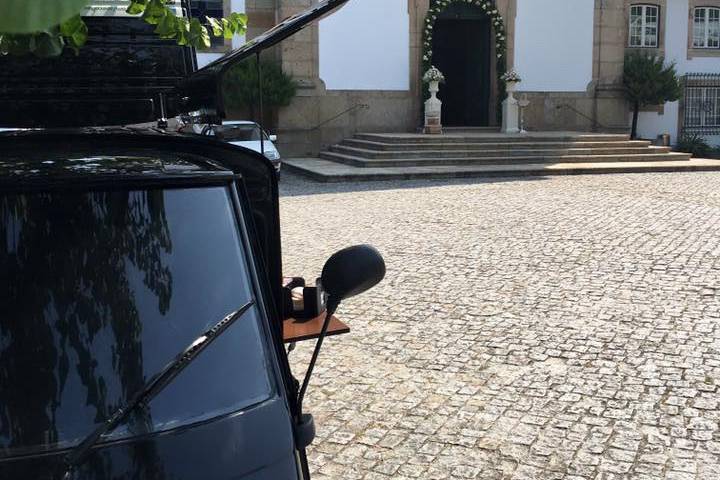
x=360, y=69
x=688, y=36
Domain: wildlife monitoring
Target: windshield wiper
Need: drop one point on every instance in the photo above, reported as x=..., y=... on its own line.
x=156, y=384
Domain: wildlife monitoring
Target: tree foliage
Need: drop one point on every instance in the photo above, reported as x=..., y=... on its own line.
x=240, y=85
x=50, y=42
x=649, y=81
x=30, y=16
x=48, y=35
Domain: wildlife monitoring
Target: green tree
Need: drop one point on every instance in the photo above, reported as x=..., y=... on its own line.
x=648, y=81
x=44, y=28
x=240, y=86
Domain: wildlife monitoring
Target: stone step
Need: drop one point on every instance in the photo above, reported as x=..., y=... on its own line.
x=371, y=145
x=491, y=137
x=487, y=152
x=362, y=162
x=471, y=129
x=328, y=171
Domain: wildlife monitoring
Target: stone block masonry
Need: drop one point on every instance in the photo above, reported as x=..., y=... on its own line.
x=557, y=328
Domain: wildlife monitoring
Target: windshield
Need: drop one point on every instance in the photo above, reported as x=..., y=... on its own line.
x=100, y=291
x=239, y=133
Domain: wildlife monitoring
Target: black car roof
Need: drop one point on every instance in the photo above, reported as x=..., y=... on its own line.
x=82, y=157
x=126, y=74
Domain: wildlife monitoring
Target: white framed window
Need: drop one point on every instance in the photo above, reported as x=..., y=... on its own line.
x=644, y=26
x=706, y=27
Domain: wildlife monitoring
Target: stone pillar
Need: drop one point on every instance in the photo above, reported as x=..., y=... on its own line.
x=261, y=16
x=418, y=9
x=511, y=113
x=299, y=58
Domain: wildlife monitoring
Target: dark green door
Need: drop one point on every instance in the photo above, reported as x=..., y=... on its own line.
x=461, y=50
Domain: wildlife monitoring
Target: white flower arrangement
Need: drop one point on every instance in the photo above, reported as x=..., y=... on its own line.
x=511, y=76
x=433, y=75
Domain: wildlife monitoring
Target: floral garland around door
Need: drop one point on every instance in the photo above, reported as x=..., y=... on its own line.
x=498, y=25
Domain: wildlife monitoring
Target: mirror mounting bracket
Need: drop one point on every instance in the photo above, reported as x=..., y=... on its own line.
x=304, y=431
x=332, y=305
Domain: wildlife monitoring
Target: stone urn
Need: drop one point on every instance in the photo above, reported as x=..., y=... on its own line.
x=510, y=110
x=433, y=105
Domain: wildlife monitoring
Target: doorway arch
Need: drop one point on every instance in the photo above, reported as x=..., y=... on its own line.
x=461, y=51
x=465, y=40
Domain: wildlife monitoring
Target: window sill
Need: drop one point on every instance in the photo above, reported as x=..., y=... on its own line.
x=651, y=50
x=703, y=52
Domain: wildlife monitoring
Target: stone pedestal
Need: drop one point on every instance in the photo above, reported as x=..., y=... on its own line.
x=433, y=112
x=523, y=103
x=511, y=112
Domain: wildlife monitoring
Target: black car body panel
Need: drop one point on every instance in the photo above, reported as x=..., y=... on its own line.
x=126, y=75
x=251, y=443
x=118, y=77
x=115, y=79
x=203, y=89
x=257, y=171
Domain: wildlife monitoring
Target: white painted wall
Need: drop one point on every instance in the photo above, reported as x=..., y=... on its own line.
x=554, y=45
x=366, y=46
x=676, y=26
x=205, y=58
x=237, y=41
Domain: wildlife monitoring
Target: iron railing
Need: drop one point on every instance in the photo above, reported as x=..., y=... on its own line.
x=701, y=104
x=593, y=122
x=359, y=106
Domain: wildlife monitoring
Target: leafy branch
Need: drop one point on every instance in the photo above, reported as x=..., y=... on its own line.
x=186, y=31
x=73, y=33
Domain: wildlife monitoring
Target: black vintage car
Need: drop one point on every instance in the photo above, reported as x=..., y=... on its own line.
x=143, y=313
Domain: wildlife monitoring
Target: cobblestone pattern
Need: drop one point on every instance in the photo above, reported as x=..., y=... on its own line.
x=552, y=328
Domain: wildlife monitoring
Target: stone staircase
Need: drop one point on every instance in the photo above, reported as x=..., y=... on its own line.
x=479, y=153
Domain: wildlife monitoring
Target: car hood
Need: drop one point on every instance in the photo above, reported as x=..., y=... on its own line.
x=255, y=145
x=202, y=91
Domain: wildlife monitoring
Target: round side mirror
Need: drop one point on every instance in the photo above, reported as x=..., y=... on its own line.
x=352, y=271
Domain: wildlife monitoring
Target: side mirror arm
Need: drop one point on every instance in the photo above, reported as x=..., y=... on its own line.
x=332, y=306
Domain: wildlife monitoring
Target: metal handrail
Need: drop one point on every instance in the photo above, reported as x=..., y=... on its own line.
x=363, y=106
x=593, y=121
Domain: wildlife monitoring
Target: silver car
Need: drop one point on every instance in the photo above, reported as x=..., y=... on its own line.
x=246, y=134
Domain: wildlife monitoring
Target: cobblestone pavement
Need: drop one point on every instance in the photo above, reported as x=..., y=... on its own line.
x=547, y=328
